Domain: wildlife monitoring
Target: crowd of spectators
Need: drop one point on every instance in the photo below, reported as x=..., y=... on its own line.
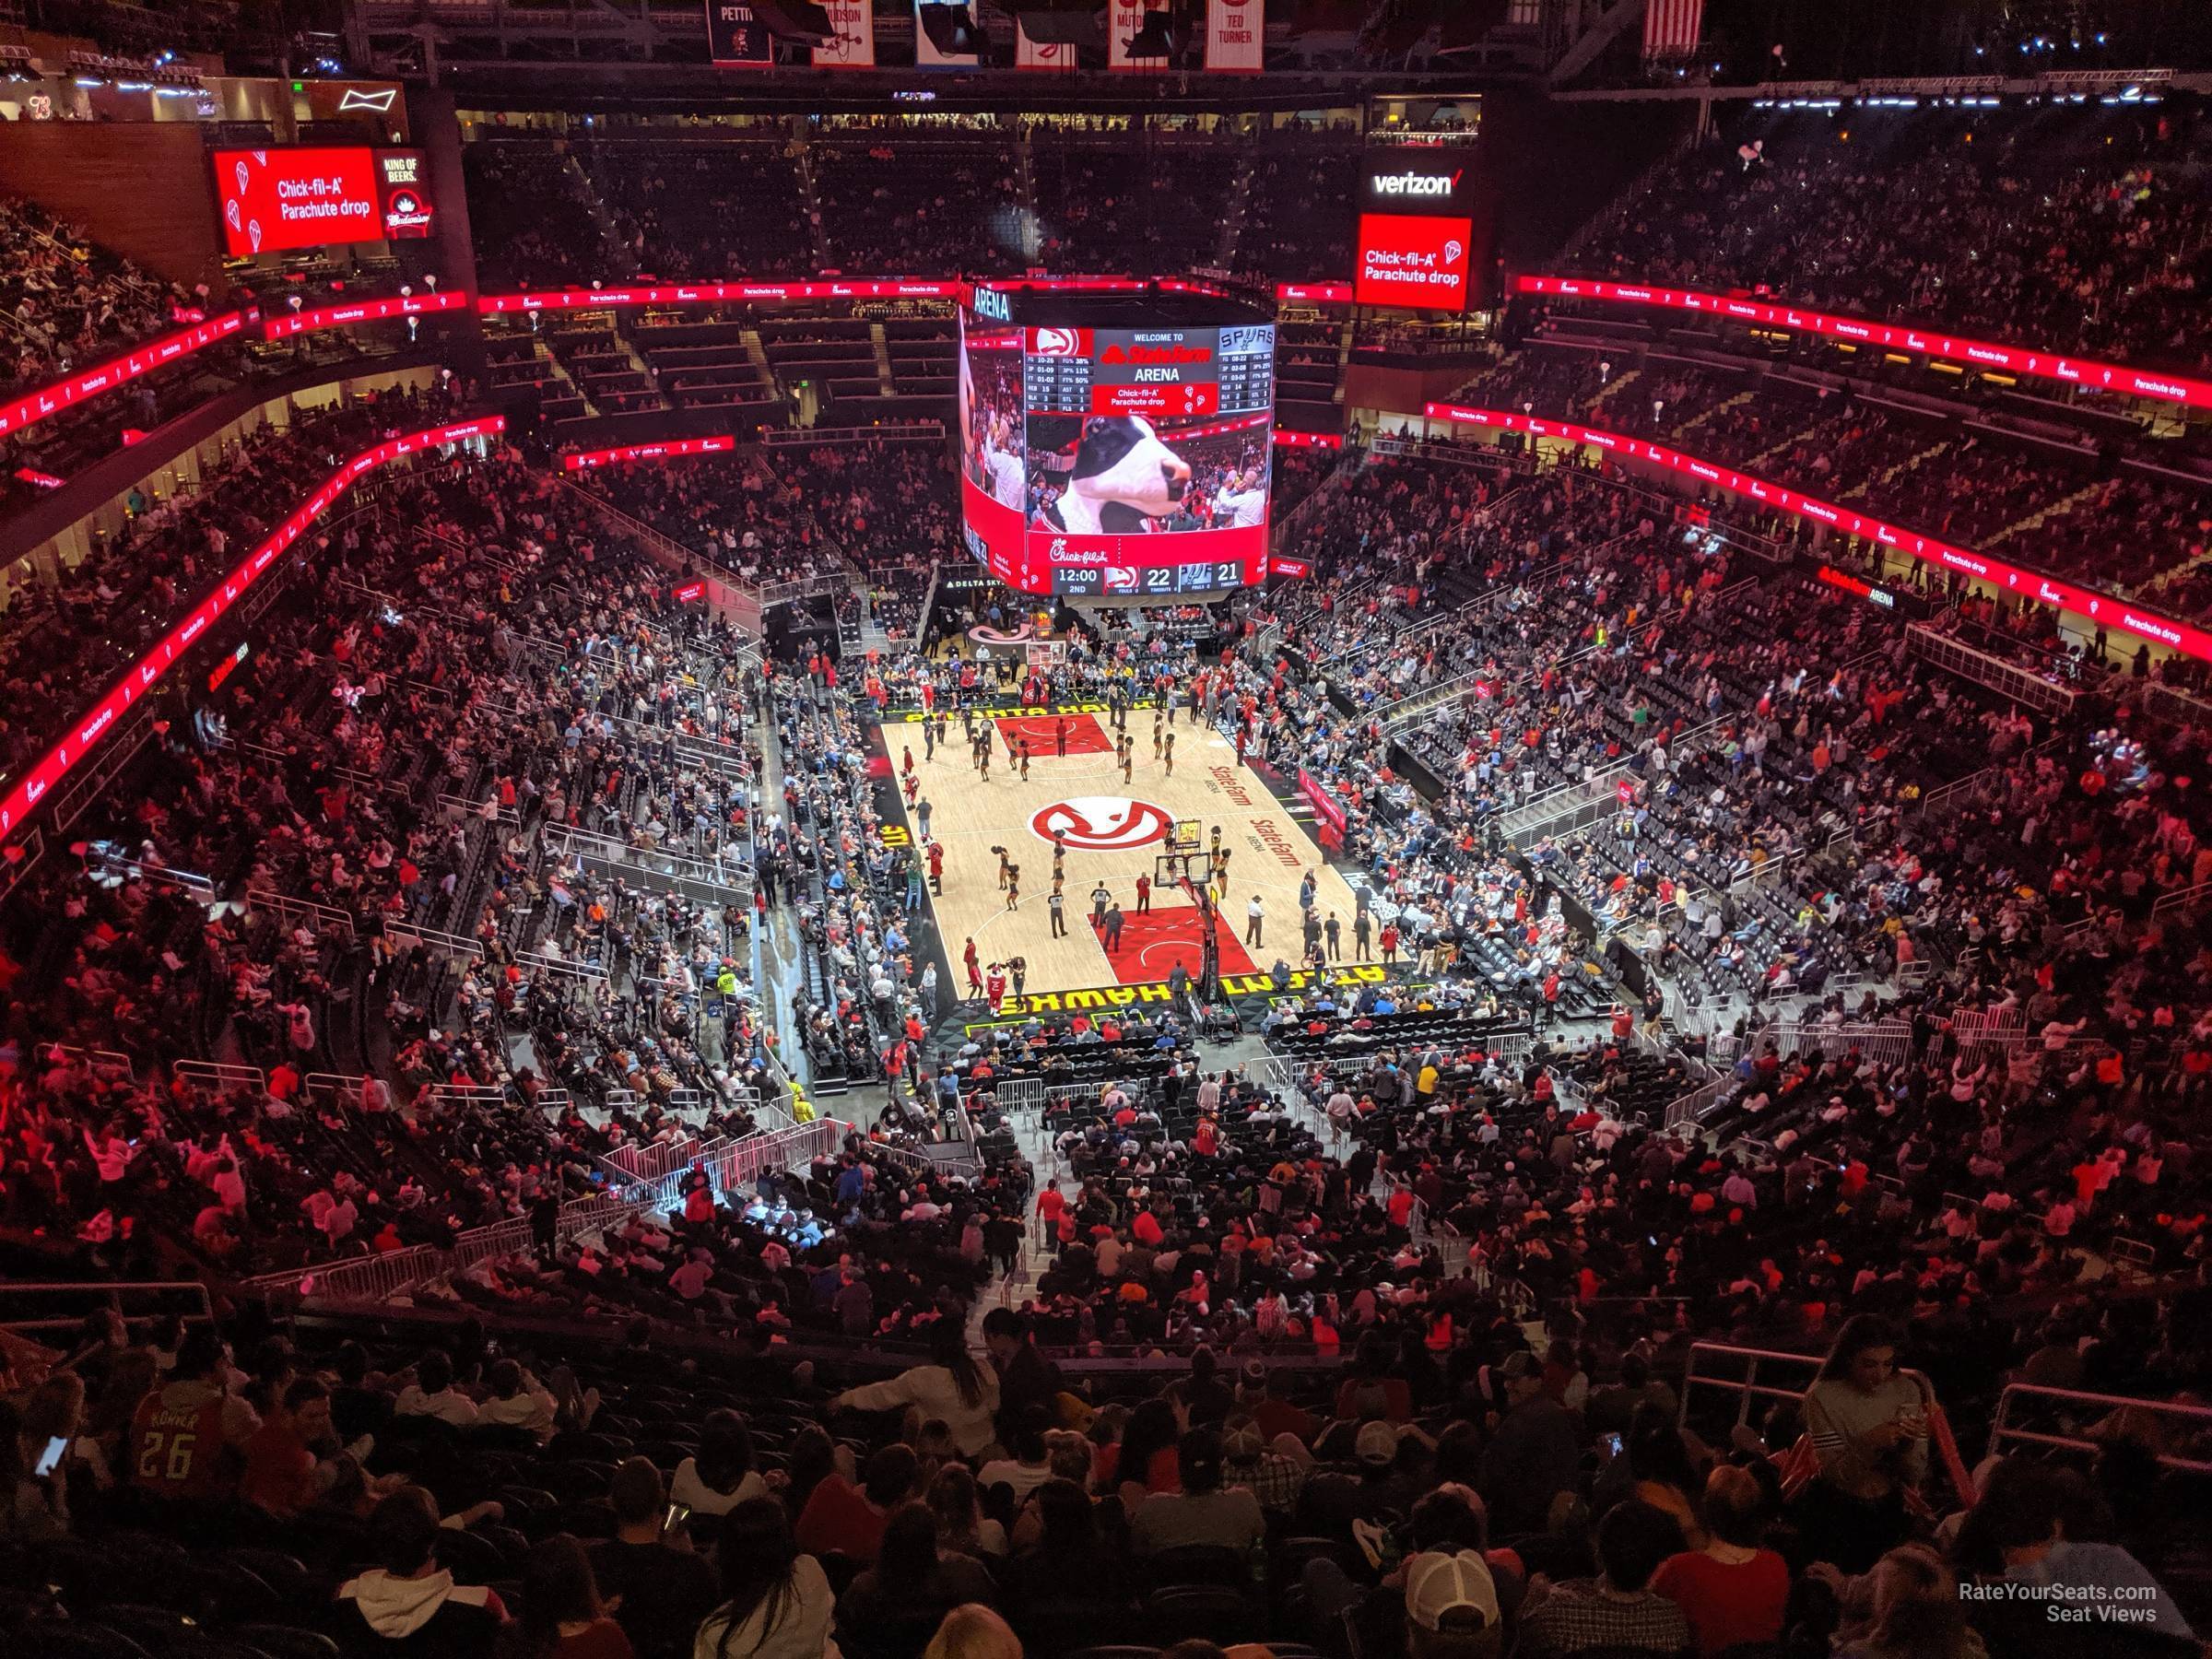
x=2069, y=227
x=2130, y=533
x=918, y=204
x=70, y=304
x=490, y=733
x=63, y=641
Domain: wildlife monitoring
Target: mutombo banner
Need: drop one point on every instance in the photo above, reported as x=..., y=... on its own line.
x=1235, y=32
x=1124, y=21
x=851, y=42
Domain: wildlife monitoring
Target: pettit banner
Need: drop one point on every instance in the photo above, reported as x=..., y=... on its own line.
x=738, y=36
x=1235, y=30
x=851, y=43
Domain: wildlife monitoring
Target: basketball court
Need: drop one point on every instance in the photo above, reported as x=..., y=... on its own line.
x=1114, y=831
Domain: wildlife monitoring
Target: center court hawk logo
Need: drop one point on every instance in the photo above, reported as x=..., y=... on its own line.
x=1101, y=823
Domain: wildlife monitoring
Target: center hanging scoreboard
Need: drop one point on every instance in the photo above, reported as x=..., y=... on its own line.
x=1161, y=373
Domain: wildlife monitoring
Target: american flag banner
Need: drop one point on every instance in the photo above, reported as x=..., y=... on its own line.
x=1671, y=27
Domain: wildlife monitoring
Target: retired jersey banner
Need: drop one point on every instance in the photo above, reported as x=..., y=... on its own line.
x=1234, y=33
x=738, y=36
x=1041, y=54
x=928, y=54
x=1124, y=21
x=1671, y=27
x=851, y=42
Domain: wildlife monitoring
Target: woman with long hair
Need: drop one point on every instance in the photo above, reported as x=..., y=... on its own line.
x=951, y=1386
x=894, y=1607
x=776, y=1603
x=961, y=1524
x=562, y=1616
x=1072, y=1563
x=1869, y=1427
x=720, y=1475
x=810, y=1459
x=1147, y=1461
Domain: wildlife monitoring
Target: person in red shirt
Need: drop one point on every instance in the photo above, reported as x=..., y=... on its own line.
x=1400, y=1204
x=1732, y=1593
x=283, y=1474
x=185, y=1435
x=1051, y=1205
x=839, y=1515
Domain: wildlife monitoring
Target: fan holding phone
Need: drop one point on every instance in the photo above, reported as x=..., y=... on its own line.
x=40, y=1431
x=1869, y=1425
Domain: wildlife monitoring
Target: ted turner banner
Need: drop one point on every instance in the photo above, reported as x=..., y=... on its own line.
x=1235, y=32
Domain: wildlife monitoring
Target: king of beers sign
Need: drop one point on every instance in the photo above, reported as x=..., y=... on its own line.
x=738, y=36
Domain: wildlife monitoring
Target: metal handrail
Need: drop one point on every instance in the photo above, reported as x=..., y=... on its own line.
x=2197, y=1418
x=1745, y=1387
x=111, y=1293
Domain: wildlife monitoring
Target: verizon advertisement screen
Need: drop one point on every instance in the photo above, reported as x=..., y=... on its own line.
x=1418, y=260
x=1118, y=461
x=272, y=200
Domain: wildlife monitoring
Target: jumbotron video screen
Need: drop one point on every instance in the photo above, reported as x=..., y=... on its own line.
x=1132, y=461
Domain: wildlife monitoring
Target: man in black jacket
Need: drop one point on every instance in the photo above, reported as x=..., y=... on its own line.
x=1532, y=1457
x=1029, y=1383
x=666, y=1588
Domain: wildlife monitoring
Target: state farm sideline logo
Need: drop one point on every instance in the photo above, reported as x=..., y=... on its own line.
x=1101, y=823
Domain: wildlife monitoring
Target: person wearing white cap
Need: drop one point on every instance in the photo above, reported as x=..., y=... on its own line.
x=1452, y=1606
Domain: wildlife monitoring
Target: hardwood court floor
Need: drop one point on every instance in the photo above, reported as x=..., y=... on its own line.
x=1083, y=793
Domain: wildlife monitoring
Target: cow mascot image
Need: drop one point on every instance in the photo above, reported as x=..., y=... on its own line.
x=1121, y=478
